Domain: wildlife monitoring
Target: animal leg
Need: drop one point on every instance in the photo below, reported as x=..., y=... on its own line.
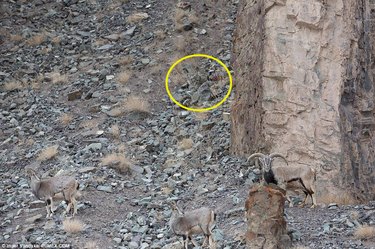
x=74, y=202
x=289, y=200
x=193, y=241
x=312, y=194
x=68, y=207
x=304, y=201
x=52, y=208
x=48, y=208
x=211, y=242
x=186, y=241
x=205, y=240
x=313, y=200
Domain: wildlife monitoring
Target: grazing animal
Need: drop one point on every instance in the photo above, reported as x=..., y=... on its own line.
x=193, y=222
x=46, y=189
x=300, y=177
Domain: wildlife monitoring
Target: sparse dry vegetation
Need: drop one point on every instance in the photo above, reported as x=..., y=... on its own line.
x=56, y=40
x=100, y=42
x=36, y=83
x=160, y=34
x=91, y=245
x=123, y=77
x=57, y=78
x=179, y=16
x=13, y=85
x=137, y=17
x=180, y=43
x=185, y=144
x=121, y=148
x=193, y=18
x=126, y=60
x=66, y=118
x=36, y=39
x=338, y=198
x=116, y=112
x=365, y=232
x=201, y=115
x=89, y=124
x=48, y=153
x=115, y=131
x=166, y=190
x=136, y=104
x=73, y=226
x=15, y=38
x=118, y=162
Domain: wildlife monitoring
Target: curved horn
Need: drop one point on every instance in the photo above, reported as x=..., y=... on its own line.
x=278, y=155
x=255, y=155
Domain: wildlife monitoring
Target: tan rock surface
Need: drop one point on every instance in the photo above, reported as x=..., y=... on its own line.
x=304, y=88
x=265, y=218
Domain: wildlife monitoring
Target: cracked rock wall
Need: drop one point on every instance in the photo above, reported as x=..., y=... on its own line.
x=304, y=87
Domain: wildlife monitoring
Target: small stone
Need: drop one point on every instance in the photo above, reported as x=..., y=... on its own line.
x=34, y=218
x=36, y=204
x=113, y=37
x=74, y=95
x=87, y=169
x=129, y=32
x=106, y=47
x=133, y=244
x=14, y=122
x=332, y=206
x=145, y=61
x=117, y=240
x=137, y=169
x=84, y=34
x=103, y=188
x=50, y=224
x=109, y=77
x=94, y=147
x=96, y=94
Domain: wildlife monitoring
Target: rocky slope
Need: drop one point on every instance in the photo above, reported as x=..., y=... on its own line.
x=82, y=92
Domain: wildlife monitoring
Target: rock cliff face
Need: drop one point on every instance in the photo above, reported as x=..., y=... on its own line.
x=304, y=87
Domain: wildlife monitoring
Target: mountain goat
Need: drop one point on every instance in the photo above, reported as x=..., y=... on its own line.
x=46, y=189
x=288, y=177
x=193, y=222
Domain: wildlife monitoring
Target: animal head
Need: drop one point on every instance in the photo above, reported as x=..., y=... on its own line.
x=31, y=173
x=266, y=160
x=175, y=207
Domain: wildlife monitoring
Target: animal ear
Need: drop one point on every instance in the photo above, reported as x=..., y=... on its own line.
x=178, y=207
x=29, y=171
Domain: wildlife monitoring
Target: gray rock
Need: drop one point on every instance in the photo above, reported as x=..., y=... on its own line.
x=50, y=224
x=133, y=244
x=113, y=37
x=74, y=95
x=106, y=47
x=117, y=240
x=94, y=147
x=87, y=170
x=34, y=218
x=136, y=169
x=130, y=31
x=36, y=204
x=145, y=61
x=84, y=34
x=104, y=188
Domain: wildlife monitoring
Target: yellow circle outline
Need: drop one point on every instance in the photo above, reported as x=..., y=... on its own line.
x=198, y=109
